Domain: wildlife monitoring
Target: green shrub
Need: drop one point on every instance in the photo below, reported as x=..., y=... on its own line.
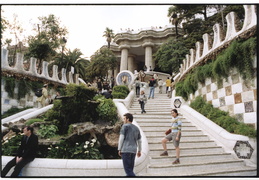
x=245, y=129
x=240, y=55
x=179, y=88
x=222, y=118
x=107, y=110
x=120, y=92
x=11, y=145
x=47, y=131
x=31, y=121
x=77, y=106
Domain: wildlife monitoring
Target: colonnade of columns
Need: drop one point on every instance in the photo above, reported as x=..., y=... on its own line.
x=128, y=60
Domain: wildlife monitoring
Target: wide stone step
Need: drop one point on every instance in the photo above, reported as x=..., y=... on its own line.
x=186, y=150
x=184, y=138
x=215, y=169
x=185, y=159
x=163, y=129
x=161, y=124
x=184, y=132
x=191, y=159
x=194, y=167
x=183, y=144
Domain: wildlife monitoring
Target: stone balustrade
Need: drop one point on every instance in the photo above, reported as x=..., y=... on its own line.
x=32, y=73
x=199, y=55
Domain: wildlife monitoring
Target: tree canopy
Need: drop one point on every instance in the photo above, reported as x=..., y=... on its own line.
x=101, y=62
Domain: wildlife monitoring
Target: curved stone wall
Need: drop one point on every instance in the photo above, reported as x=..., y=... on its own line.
x=234, y=95
x=199, y=55
x=18, y=70
x=144, y=34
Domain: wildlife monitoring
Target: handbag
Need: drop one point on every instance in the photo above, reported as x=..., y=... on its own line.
x=168, y=131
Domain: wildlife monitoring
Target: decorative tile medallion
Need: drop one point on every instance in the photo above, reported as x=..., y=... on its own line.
x=222, y=101
x=228, y=90
x=249, y=106
x=243, y=149
x=238, y=98
x=215, y=94
x=177, y=103
x=208, y=88
x=239, y=117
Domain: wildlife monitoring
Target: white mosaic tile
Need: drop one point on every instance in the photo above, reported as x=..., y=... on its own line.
x=250, y=117
x=247, y=96
x=239, y=108
x=215, y=103
x=221, y=92
x=209, y=96
x=230, y=100
x=237, y=88
x=207, y=81
x=213, y=87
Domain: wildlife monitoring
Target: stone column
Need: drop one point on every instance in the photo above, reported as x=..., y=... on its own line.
x=131, y=63
x=124, y=57
x=148, y=55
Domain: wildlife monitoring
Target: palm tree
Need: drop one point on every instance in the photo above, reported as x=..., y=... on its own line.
x=108, y=33
x=174, y=18
x=73, y=58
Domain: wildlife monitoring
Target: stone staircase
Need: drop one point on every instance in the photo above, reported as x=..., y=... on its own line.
x=199, y=156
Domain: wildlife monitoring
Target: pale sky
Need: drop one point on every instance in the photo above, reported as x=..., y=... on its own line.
x=86, y=23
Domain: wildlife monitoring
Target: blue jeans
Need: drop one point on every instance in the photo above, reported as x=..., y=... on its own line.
x=151, y=93
x=128, y=160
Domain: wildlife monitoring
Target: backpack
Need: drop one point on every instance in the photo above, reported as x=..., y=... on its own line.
x=38, y=92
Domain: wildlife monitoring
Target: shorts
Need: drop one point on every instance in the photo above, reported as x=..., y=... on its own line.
x=172, y=136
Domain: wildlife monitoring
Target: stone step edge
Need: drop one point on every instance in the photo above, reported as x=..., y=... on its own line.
x=185, y=148
x=205, y=141
x=191, y=155
x=195, y=164
x=214, y=173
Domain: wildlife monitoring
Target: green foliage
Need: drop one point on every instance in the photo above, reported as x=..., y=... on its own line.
x=47, y=131
x=101, y=62
x=9, y=86
x=248, y=130
x=76, y=107
x=170, y=55
x=11, y=145
x=13, y=111
x=222, y=118
x=31, y=121
x=120, y=92
x=239, y=55
x=179, y=88
x=48, y=39
x=66, y=150
x=107, y=110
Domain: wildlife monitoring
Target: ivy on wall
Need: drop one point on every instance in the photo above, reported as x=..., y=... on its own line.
x=240, y=55
x=24, y=86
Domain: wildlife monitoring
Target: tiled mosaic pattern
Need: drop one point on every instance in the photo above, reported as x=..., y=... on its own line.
x=236, y=96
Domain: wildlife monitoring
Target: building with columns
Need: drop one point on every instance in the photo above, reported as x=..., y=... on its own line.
x=134, y=49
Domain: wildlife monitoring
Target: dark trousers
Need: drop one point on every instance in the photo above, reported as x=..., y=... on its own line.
x=18, y=167
x=128, y=160
x=142, y=106
x=137, y=91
